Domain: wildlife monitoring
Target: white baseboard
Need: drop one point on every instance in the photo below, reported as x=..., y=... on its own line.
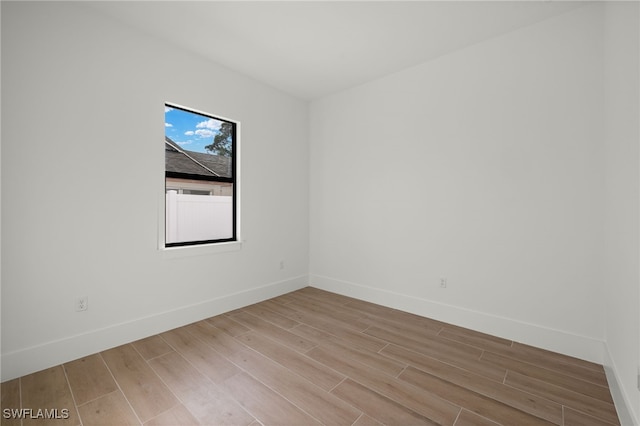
x=621, y=399
x=582, y=347
x=36, y=358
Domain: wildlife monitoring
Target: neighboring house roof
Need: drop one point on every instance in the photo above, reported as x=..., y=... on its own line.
x=184, y=162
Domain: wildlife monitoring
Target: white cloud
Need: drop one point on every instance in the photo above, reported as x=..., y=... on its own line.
x=167, y=109
x=210, y=124
x=204, y=133
x=184, y=143
x=168, y=124
x=189, y=133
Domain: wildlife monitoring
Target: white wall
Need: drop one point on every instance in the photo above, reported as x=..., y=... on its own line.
x=82, y=133
x=622, y=213
x=483, y=166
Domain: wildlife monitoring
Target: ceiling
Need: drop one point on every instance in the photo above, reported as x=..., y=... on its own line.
x=311, y=49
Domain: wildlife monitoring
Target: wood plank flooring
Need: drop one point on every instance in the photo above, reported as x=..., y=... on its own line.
x=316, y=358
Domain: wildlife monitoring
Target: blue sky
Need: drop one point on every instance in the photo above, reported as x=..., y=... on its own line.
x=190, y=130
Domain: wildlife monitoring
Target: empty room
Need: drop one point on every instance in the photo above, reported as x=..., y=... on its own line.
x=303, y=213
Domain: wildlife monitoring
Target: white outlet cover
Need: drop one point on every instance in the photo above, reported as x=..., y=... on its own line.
x=82, y=303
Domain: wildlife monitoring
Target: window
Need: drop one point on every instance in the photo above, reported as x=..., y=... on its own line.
x=200, y=178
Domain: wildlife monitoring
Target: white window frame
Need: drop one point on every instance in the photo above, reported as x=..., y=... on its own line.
x=204, y=248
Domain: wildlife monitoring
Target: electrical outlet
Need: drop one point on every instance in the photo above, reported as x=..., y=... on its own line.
x=82, y=303
x=443, y=282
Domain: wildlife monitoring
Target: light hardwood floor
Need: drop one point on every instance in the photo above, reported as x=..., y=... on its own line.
x=311, y=357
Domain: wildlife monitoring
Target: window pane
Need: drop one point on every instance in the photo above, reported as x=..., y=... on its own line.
x=199, y=177
x=196, y=192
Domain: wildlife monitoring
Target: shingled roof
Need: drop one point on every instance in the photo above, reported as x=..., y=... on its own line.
x=183, y=162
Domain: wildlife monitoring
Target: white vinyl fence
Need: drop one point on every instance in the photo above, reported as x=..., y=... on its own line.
x=198, y=217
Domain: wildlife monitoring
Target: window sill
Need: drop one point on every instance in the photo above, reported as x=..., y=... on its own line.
x=200, y=250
